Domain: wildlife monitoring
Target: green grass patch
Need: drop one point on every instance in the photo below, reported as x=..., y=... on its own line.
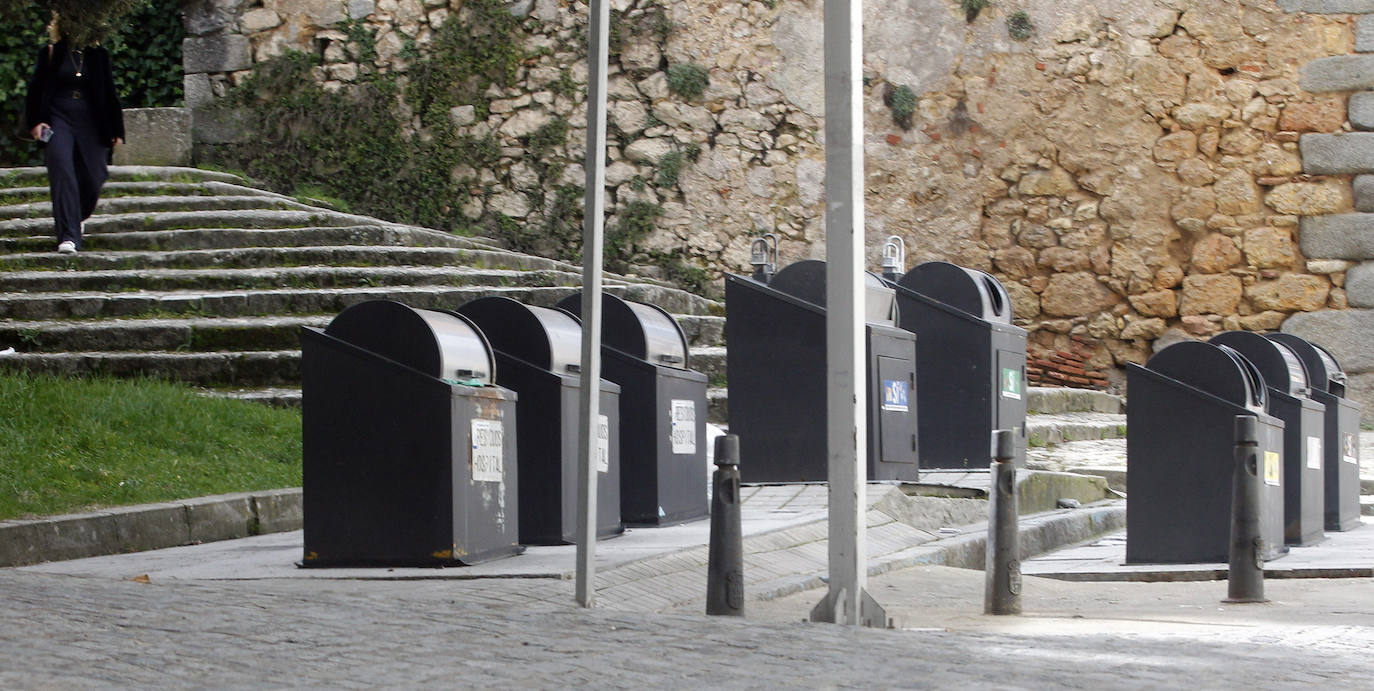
x=75, y=444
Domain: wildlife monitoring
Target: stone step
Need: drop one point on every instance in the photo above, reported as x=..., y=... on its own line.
x=1046, y=430
x=37, y=176
x=181, y=335
x=180, y=220
x=718, y=405
x=116, y=190
x=1054, y=399
x=1104, y=458
x=225, y=238
x=235, y=303
x=276, y=277
x=195, y=333
x=161, y=203
x=214, y=369
x=240, y=369
x=259, y=256
x=1338, y=236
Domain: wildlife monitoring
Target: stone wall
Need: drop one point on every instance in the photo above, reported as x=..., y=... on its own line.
x=1131, y=171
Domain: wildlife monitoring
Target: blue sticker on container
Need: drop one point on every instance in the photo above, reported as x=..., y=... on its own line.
x=895, y=395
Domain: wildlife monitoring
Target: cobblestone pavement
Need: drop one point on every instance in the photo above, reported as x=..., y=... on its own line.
x=60, y=631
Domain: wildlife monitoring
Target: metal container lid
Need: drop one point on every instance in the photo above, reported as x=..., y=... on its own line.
x=805, y=280
x=1276, y=362
x=443, y=345
x=968, y=290
x=638, y=329
x=542, y=336
x=1324, y=373
x=1216, y=369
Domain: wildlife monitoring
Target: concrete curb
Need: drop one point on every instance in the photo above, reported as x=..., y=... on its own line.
x=149, y=526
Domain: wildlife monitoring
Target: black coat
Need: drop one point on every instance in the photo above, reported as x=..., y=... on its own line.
x=97, y=84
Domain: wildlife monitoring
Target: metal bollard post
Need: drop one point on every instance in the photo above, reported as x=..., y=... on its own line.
x=725, y=560
x=1002, y=568
x=1245, y=577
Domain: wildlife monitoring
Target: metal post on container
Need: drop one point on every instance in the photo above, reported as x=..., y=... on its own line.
x=1002, y=568
x=725, y=561
x=1245, y=577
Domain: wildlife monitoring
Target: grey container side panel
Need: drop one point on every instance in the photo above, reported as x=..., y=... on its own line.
x=683, y=476
x=893, y=435
x=490, y=523
x=1342, y=476
x=608, y=521
x=1303, y=484
x=1010, y=406
x=377, y=484
x=1180, y=464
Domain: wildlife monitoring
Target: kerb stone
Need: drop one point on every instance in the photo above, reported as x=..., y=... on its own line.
x=1338, y=236
x=220, y=517
x=219, y=53
x=278, y=511
x=1343, y=332
x=1362, y=189
x=1359, y=285
x=1360, y=109
x=1328, y=6
x=1337, y=154
x=155, y=137
x=1338, y=73
x=1364, y=34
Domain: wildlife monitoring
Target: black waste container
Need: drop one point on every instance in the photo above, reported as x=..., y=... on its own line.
x=776, y=361
x=1180, y=454
x=1341, y=430
x=409, y=449
x=1303, y=433
x=971, y=363
x=537, y=356
x=663, y=467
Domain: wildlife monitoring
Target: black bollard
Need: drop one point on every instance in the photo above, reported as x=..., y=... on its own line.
x=725, y=561
x=1245, y=576
x=1002, y=567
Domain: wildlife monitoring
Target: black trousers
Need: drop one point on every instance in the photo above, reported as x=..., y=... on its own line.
x=77, y=161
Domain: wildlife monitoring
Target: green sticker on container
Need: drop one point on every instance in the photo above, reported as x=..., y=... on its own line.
x=1011, y=383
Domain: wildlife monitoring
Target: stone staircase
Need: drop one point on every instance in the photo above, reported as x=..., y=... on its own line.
x=196, y=276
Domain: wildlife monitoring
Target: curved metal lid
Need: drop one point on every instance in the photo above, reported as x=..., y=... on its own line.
x=1217, y=369
x=443, y=345
x=805, y=280
x=541, y=336
x=639, y=329
x=968, y=290
x=1276, y=362
x=1323, y=372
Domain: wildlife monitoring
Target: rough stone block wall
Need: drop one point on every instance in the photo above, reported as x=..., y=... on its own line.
x=1135, y=171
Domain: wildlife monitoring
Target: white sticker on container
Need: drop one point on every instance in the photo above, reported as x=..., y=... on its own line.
x=684, y=434
x=1350, y=452
x=1273, y=465
x=1314, y=453
x=603, y=445
x=488, y=457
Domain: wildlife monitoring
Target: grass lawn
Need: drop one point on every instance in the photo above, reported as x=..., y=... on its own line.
x=72, y=444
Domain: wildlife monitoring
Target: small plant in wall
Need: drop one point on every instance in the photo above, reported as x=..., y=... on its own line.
x=1019, y=25
x=902, y=101
x=972, y=8
x=688, y=80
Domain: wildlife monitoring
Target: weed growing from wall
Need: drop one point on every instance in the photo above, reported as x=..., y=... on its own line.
x=902, y=101
x=1019, y=25
x=688, y=80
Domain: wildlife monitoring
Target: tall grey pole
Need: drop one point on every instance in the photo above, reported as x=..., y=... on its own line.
x=1002, y=562
x=593, y=220
x=848, y=601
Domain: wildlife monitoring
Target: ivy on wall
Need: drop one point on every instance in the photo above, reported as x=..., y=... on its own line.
x=145, y=52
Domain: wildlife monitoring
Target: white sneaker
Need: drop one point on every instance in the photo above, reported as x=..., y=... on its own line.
x=66, y=247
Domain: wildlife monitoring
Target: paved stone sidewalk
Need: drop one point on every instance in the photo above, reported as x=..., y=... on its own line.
x=69, y=632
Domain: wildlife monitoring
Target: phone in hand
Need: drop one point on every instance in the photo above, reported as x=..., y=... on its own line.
x=44, y=133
